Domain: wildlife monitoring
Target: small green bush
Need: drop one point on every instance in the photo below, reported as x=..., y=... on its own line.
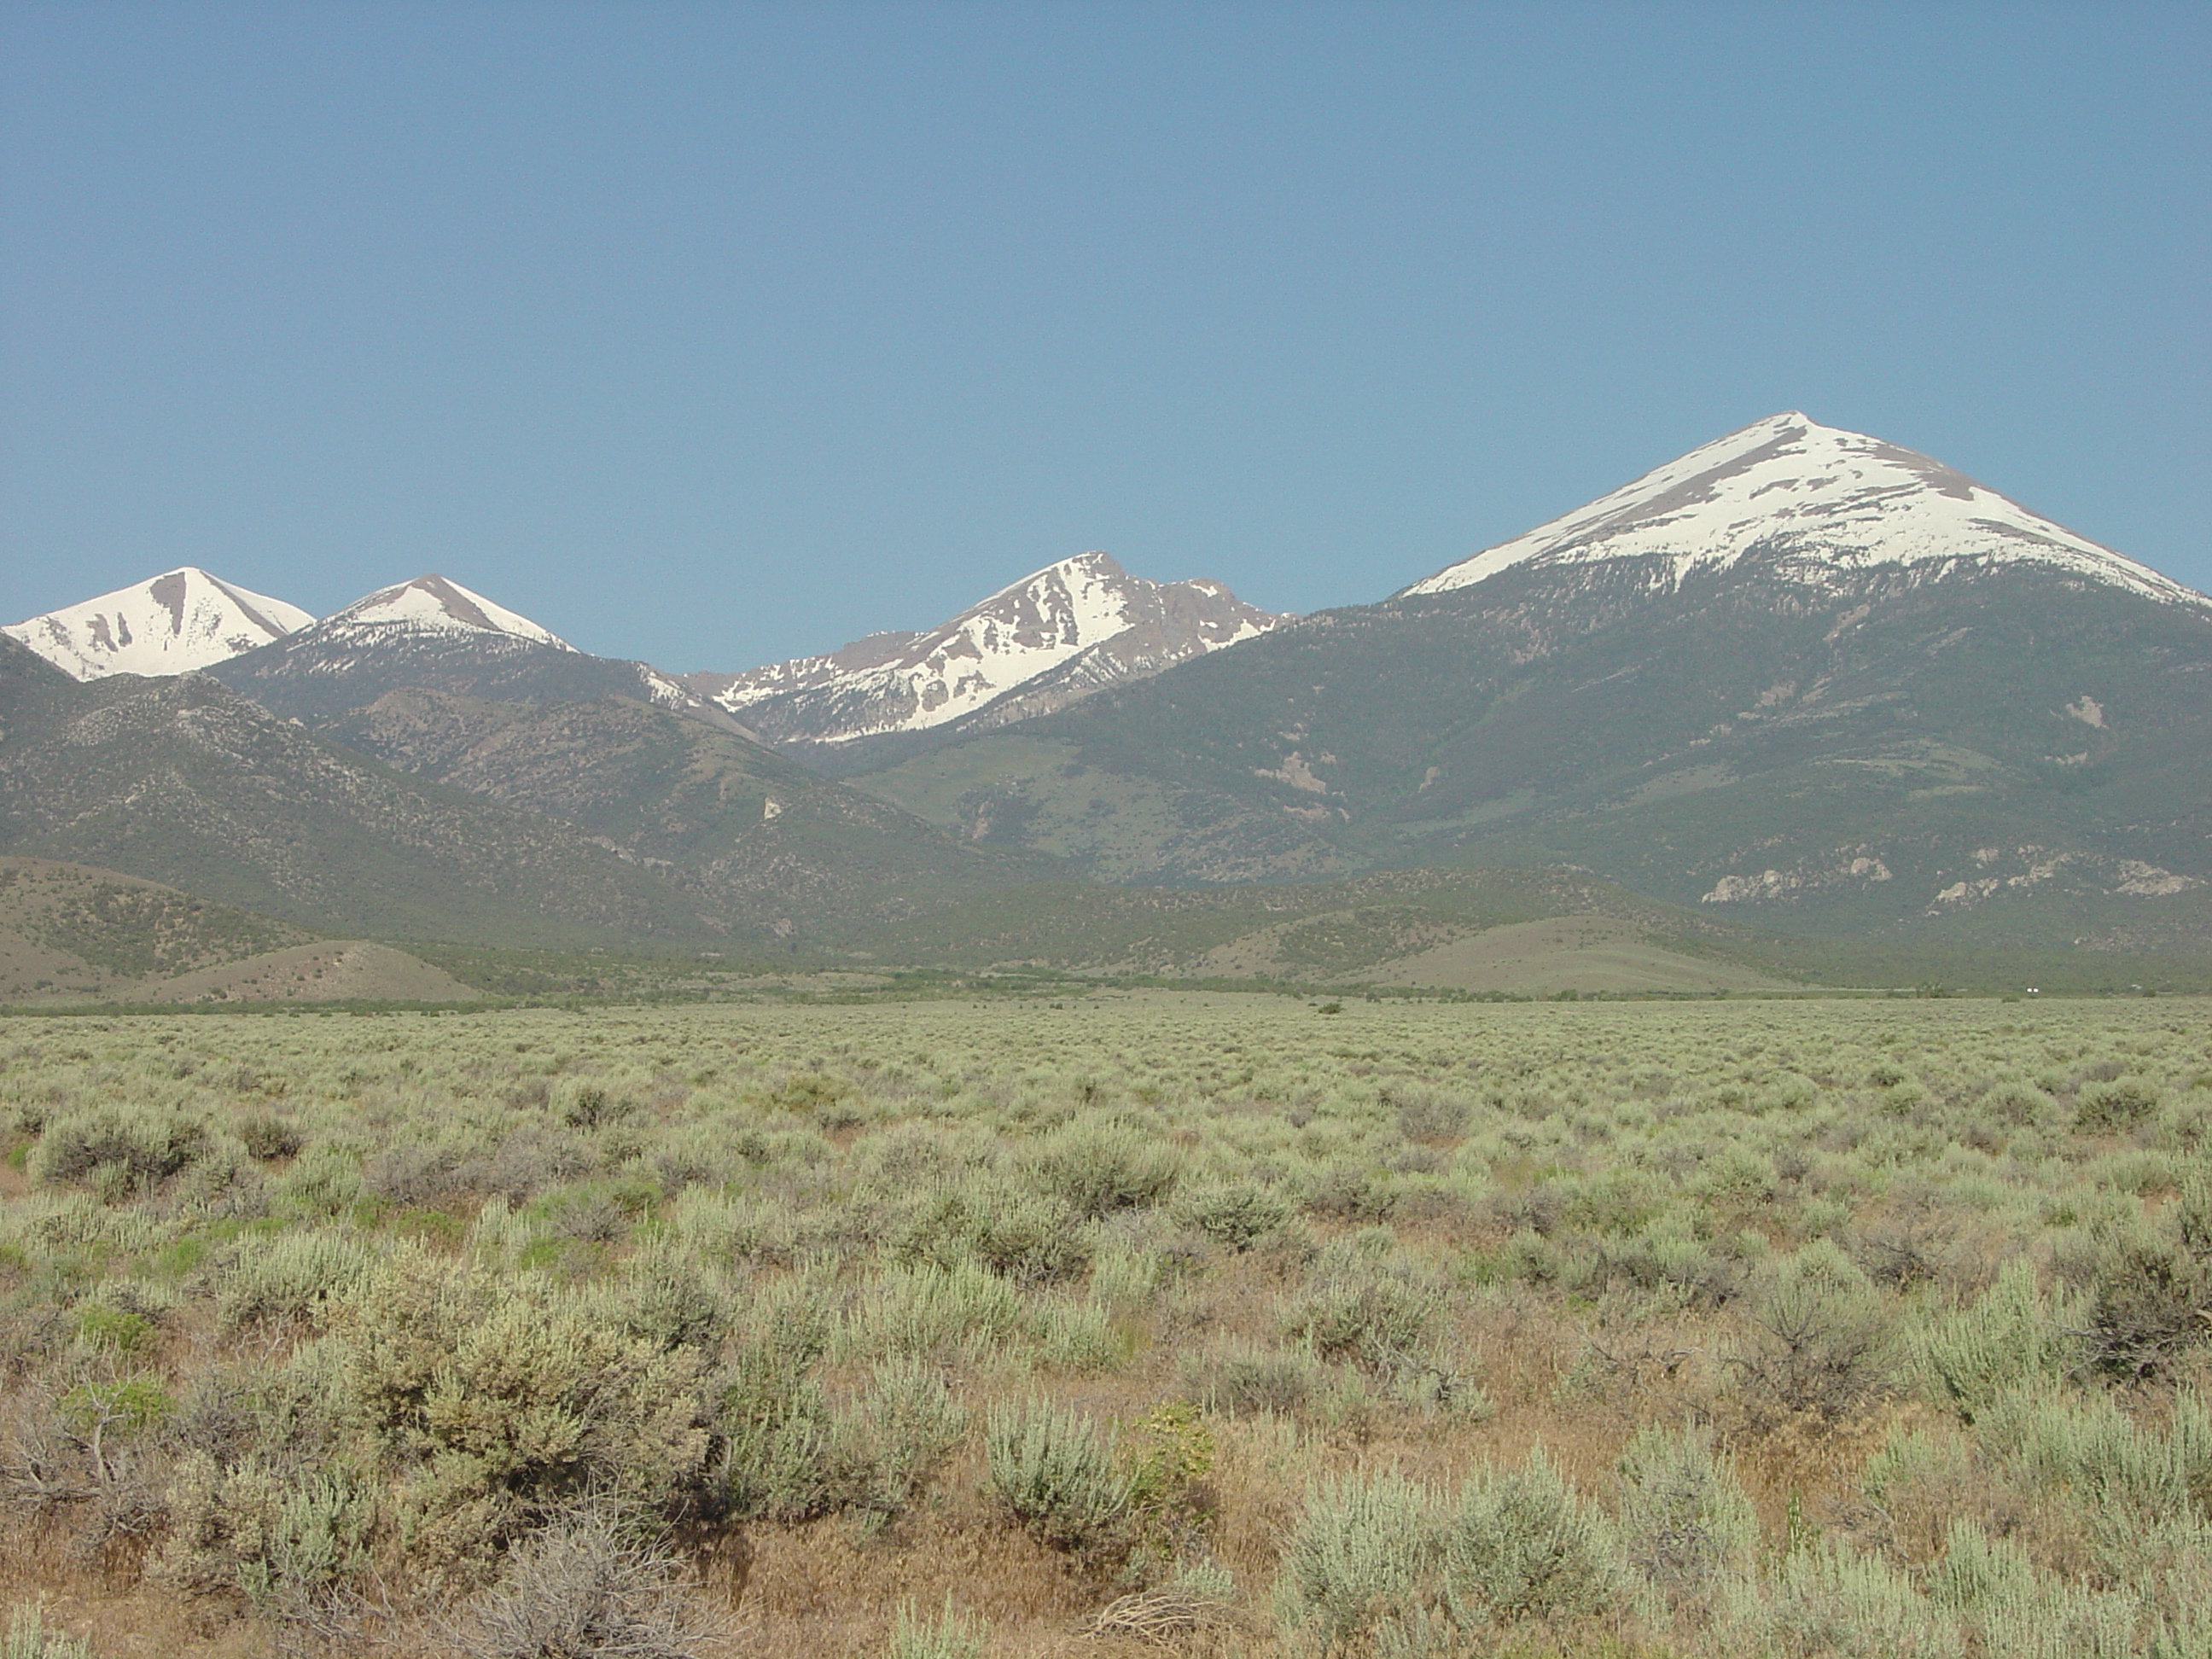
x=1056, y=1474
x=1097, y=1165
x=490, y=1404
x=586, y=1104
x=951, y=1635
x=774, y=1422
x=1436, y=1118
x=1358, y=1562
x=2151, y=1303
x=270, y=1137
x=289, y=1541
x=2107, y=1107
x=271, y=1279
x=2006, y=1338
x=1237, y=1213
x=1240, y=1380
x=1350, y=1191
x=663, y=1297
x=112, y=1146
x=1017, y=1232
x=1522, y=1546
x=1832, y=1602
x=1685, y=1527
x=1376, y=1312
x=1820, y=1335
x=897, y=1434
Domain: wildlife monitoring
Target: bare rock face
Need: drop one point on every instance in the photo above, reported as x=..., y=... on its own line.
x=1047, y=640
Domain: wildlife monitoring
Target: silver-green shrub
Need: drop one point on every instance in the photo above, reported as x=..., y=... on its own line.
x=1684, y=1529
x=1818, y=1335
x=1361, y=1561
x=1098, y=1164
x=1522, y=1544
x=1238, y=1213
x=1056, y=1472
x=115, y=1149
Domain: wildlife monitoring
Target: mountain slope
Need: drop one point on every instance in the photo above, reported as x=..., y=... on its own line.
x=432, y=633
x=1787, y=487
x=1039, y=644
x=70, y=930
x=757, y=840
x=1956, y=739
x=443, y=684
x=181, y=781
x=181, y=620
x=71, y=933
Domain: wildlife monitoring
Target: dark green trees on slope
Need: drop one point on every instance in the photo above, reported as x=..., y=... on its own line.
x=2009, y=750
x=604, y=819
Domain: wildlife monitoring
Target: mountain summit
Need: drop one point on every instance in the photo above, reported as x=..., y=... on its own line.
x=432, y=604
x=1036, y=644
x=433, y=634
x=1795, y=490
x=183, y=619
x=1800, y=674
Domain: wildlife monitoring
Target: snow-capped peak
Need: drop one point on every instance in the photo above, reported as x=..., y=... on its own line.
x=1788, y=485
x=434, y=604
x=1087, y=607
x=181, y=620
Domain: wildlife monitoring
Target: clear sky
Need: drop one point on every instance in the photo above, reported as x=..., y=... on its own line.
x=715, y=334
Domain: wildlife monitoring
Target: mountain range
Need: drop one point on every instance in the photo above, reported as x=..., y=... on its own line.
x=1800, y=681
x=1036, y=645
x=1800, y=674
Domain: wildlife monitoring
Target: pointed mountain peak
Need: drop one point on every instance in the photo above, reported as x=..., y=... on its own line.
x=1789, y=487
x=437, y=605
x=1086, y=607
x=1081, y=570
x=174, y=623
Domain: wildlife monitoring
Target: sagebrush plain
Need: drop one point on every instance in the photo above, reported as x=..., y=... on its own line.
x=1122, y=1321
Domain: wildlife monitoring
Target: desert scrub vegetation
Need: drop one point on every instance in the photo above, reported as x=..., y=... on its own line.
x=1146, y=1322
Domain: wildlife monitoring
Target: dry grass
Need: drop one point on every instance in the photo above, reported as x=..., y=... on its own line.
x=1488, y=1236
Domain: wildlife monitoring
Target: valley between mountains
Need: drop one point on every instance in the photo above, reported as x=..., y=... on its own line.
x=1799, y=706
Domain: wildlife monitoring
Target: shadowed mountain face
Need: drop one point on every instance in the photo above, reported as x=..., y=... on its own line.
x=757, y=840
x=1046, y=642
x=180, y=781
x=1962, y=742
x=449, y=687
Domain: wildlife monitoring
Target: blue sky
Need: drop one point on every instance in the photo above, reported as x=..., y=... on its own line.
x=715, y=334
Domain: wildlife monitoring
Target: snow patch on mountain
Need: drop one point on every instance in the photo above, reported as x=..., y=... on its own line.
x=182, y=620
x=1790, y=487
x=433, y=604
x=1058, y=634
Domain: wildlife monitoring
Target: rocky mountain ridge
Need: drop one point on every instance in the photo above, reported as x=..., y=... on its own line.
x=1052, y=638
